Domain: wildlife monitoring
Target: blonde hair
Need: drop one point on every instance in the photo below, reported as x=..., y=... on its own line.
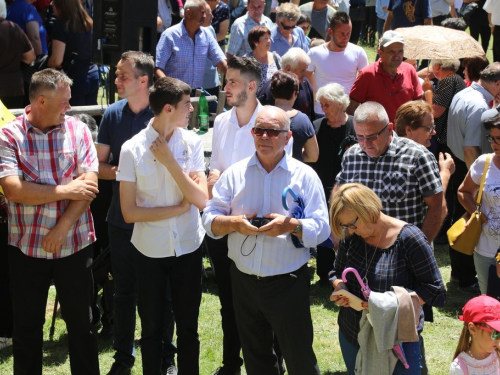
x=360, y=200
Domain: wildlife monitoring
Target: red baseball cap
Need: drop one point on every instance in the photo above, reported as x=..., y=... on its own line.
x=482, y=309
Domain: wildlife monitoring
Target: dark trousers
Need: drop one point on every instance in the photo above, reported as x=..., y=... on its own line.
x=462, y=266
x=6, y=318
x=125, y=300
x=496, y=43
x=324, y=262
x=85, y=89
x=280, y=305
x=153, y=276
x=231, y=345
x=357, y=15
x=479, y=25
x=31, y=279
x=437, y=20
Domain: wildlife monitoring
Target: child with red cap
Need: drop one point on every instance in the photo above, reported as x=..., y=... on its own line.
x=477, y=351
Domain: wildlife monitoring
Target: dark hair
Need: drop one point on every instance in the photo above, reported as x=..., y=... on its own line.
x=90, y=122
x=303, y=18
x=255, y=34
x=493, y=122
x=474, y=66
x=248, y=67
x=283, y=85
x=47, y=80
x=411, y=114
x=167, y=90
x=143, y=64
x=74, y=17
x=339, y=17
x=491, y=73
x=454, y=23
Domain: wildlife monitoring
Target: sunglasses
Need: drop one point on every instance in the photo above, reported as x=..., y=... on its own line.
x=287, y=27
x=430, y=129
x=495, y=140
x=353, y=226
x=495, y=335
x=272, y=133
x=371, y=138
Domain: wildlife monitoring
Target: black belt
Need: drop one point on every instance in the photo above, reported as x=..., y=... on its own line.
x=294, y=274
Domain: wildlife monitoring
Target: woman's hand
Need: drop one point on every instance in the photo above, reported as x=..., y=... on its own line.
x=339, y=300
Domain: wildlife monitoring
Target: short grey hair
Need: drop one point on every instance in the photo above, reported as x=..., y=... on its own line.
x=293, y=57
x=285, y=119
x=194, y=4
x=289, y=12
x=446, y=64
x=3, y=9
x=47, y=80
x=365, y=112
x=335, y=93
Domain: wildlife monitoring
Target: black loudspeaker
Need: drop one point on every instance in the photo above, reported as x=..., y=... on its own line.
x=123, y=25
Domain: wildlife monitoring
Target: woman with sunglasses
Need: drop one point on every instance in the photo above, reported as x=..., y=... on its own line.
x=477, y=351
x=489, y=241
x=414, y=120
x=386, y=252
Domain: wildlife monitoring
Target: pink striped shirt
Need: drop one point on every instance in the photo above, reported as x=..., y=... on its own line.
x=53, y=158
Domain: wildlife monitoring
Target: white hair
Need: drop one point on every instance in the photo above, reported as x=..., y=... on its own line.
x=365, y=111
x=3, y=9
x=293, y=57
x=335, y=93
x=285, y=119
x=451, y=64
x=194, y=4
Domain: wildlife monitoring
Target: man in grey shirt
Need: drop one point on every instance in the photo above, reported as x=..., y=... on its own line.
x=320, y=14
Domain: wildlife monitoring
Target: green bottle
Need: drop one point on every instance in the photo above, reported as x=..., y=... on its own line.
x=203, y=113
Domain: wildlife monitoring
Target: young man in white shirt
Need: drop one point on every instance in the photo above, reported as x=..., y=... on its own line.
x=158, y=168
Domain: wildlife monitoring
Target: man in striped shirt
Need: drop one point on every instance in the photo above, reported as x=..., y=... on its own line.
x=48, y=171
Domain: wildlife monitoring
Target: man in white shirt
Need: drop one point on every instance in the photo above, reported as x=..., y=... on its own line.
x=493, y=9
x=270, y=278
x=337, y=61
x=158, y=193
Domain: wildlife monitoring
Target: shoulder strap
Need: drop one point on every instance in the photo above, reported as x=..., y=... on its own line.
x=463, y=365
x=483, y=177
x=276, y=61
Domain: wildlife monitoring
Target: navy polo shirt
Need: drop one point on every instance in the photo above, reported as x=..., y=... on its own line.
x=118, y=125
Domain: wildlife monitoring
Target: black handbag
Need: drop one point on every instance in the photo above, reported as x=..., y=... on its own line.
x=28, y=70
x=467, y=10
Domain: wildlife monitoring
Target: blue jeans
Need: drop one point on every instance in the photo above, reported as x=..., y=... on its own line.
x=483, y=264
x=125, y=300
x=153, y=276
x=411, y=351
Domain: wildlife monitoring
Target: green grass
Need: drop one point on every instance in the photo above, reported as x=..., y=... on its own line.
x=440, y=337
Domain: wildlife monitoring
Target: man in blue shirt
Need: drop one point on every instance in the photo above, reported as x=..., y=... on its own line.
x=285, y=34
x=408, y=13
x=183, y=49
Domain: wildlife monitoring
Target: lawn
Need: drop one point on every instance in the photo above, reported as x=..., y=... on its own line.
x=440, y=337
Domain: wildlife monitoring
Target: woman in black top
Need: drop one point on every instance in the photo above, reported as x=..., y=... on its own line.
x=72, y=50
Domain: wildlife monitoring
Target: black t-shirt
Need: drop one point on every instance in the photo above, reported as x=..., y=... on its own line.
x=329, y=162
x=78, y=50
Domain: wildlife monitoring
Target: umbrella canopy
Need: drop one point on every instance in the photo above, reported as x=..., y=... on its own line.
x=437, y=42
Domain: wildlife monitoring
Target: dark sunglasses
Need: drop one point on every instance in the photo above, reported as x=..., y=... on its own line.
x=495, y=335
x=272, y=133
x=287, y=27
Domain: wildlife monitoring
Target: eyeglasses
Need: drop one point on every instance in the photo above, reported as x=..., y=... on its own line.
x=345, y=227
x=495, y=335
x=370, y=138
x=430, y=129
x=495, y=140
x=272, y=133
x=287, y=27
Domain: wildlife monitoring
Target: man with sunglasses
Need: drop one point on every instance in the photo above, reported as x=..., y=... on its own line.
x=285, y=34
x=270, y=278
x=388, y=81
x=232, y=142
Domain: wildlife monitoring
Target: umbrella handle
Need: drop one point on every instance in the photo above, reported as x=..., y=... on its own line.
x=287, y=190
x=364, y=288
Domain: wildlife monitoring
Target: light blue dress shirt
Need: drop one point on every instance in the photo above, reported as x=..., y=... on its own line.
x=246, y=187
x=281, y=46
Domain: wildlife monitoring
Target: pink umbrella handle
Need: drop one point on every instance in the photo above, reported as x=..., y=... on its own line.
x=398, y=350
x=364, y=288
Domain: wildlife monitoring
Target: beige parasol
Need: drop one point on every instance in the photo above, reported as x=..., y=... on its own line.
x=437, y=42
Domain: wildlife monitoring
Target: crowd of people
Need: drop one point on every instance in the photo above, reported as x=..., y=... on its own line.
x=380, y=159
